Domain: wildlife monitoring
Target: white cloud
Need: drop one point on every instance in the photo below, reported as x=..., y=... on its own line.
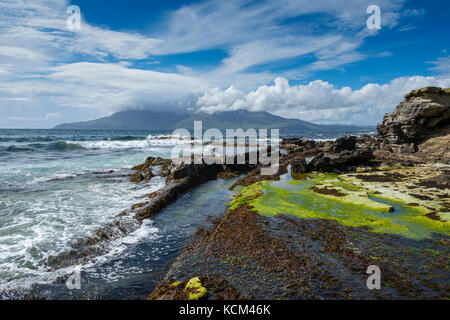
x=54, y=115
x=220, y=23
x=254, y=34
x=318, y=101
x=261, y=52
x=20, y=53
x=442, y=65
x=34, y=29
x=107, y=87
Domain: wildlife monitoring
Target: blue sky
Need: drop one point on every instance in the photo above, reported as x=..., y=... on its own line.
x=315, y=61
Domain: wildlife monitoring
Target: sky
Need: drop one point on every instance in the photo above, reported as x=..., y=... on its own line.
x=312, y=60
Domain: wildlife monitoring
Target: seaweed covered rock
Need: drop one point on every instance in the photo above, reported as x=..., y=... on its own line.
x=314, y=238
x=144, y=171
x=408, y=130
x=197, y=288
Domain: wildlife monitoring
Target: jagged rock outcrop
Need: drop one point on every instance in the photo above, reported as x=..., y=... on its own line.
x=344, y=143
x=328, y=156
x=144, y=171
x=418, y=129
x=341, y=161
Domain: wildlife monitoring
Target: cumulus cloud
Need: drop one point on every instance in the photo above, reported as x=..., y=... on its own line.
x=318, y=101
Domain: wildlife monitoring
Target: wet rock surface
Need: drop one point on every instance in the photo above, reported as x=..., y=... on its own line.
x=144, y=172
x=290, y=258
x=265, y=253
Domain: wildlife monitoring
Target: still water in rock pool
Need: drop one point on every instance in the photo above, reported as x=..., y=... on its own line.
x=327, y=196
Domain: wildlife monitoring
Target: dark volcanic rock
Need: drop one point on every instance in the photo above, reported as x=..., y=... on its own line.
x=344, y=143
x=440, y=182
x=199, y=172
x=299, y=166
x=342, y=161
x=344, y=154
x=408, y=130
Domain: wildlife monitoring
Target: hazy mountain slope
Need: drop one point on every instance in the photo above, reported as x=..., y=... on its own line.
x=148, y=120
x=240, y=119
x=129, y=120
x=245, y=119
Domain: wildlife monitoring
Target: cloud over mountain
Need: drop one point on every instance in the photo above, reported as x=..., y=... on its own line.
x=318, y=101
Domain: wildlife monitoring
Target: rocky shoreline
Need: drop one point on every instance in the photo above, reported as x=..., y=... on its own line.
x=391, y=192
x=311, y=230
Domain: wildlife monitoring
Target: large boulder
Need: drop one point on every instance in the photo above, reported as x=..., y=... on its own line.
x=342, y=161
x=423, y=115
x=344, y=143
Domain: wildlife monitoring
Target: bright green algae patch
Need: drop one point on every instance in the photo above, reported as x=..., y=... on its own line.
x=352, y=206
x=195, y=289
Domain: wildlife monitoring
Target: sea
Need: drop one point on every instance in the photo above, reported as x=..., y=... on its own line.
x=59, y=186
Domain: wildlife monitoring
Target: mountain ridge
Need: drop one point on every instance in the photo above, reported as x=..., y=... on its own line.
x=149, y=120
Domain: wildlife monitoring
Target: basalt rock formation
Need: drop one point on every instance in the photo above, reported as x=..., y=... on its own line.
x=418, y=129
x=342, y=155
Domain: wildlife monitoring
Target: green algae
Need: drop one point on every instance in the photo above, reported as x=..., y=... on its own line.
x=355, y=197
x=176, y=283
x=358, y=208
x=385, y=168
x=195, y=289
x=400, y=192
x=245, y=195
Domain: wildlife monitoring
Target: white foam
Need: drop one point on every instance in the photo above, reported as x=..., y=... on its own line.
x=130, y=144
x=46, y=223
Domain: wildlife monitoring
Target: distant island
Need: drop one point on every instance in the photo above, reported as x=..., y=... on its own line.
x=150, y=120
